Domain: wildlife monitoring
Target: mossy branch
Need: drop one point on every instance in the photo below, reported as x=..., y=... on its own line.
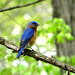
x=38, y=56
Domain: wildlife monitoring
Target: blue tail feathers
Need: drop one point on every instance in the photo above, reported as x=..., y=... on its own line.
x=20, y=52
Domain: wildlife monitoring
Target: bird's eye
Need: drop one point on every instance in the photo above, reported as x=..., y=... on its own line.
x=34, y=23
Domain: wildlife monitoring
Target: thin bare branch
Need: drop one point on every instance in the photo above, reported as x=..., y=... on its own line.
x=12, y=18
x=20, y=6
x=19, y=2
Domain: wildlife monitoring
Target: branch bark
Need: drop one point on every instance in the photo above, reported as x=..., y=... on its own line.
x=20, y=6
x=38, y=56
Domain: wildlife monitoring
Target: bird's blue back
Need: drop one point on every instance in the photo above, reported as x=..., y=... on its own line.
x=27, y=35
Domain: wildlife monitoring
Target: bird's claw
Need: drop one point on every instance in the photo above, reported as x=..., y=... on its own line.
x=32, y=49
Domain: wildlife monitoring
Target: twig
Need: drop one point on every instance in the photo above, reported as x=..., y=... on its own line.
x=68, y=73
x=18, y=2
x=12, y=18
x=38, y=56
x=35, y=71
x=20, y=6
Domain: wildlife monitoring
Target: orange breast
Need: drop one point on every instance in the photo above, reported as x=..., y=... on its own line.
x=33, y=39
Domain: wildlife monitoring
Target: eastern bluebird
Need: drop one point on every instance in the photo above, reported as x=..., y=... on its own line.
x=29, y=36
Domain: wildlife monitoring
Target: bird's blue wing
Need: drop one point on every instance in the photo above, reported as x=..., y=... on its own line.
x=27, y=35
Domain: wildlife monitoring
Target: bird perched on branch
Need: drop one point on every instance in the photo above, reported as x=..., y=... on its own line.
x=29, y=37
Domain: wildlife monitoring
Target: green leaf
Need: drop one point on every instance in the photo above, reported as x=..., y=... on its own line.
x=60, y=38
x=73, y=60
x=48, y=68
x=6, y=72
x=68, y=29
x=69, y=37
x=49, y=21
x=1, y=4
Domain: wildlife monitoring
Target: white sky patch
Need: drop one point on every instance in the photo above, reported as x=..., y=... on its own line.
x=43, y=73
x=42, y=49
x=24, y=63
x=49, y=35
x=16, y=30
x=49, y=54
x=34, y=47
x=41, y=41
x=6, y=56
x=39, y=64
x=15, y=62
x=27, y=17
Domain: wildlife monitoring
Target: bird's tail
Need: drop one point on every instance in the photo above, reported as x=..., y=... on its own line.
x=20, y=52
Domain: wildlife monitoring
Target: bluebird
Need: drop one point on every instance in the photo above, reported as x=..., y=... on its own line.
x=29, y=37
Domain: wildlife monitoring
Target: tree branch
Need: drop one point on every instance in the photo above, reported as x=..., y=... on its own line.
x=38, y=56
x=20, y=6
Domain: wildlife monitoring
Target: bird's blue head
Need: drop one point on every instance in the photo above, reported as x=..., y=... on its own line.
x=33, y=24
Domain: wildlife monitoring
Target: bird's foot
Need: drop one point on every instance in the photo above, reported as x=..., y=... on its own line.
x=24, y=52
x=31, y=49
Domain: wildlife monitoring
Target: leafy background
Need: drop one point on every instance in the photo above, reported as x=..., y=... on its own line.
x=12, y=25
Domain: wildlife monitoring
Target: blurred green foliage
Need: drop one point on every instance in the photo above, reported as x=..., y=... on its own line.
x=60, y=30
x=12, y=25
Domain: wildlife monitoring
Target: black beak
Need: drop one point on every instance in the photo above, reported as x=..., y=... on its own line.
x=38, y=24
